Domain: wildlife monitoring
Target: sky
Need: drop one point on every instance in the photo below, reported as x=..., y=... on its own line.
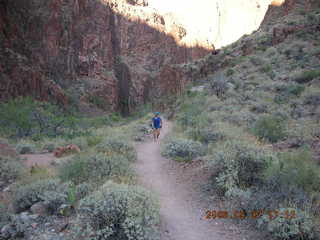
x=217, y=21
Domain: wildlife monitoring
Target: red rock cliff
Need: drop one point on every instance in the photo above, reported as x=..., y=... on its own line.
x=81, y=49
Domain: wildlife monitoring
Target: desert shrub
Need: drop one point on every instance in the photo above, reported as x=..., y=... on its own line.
x=118, y=211
x=230, y=72
x=296, y=169
x=312, y=97
x=190, y=112
x=270, y=128
x=25, y=147
x=23, y=117
x=240, y=118
x=259, y=108
x=94, y=168
x=98, y=102
x=82, y=190
x=219, y=85
x=4, y=216
x=50, y=147
x=295, y=89
x=10, y=169
x=257, y=61
x=239, y=198
x=205, y=135
x=27, y=195
x=118, y=146
x=298, y=226
x=307, y=76
x=81, y=142
x=240, y=165
x=182, y=149
x=266, y=68
x=290, y=89
x=94, y=140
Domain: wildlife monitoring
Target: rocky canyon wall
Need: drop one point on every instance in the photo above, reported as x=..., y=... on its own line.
x=118, y=53
x=86, y=49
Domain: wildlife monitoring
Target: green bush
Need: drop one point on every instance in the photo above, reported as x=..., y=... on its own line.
x=95, y=168
x=239, y=165
x=23, y=117
x=51, y=191
x=256, y=60
x=183, y=149
x=94, y=140
x=4, y=216
x=10, y=169
x=120, y=212
x=295, y=89
x=82, y=190
x=269, y=128
x=312, y=98
x=98, y=102
x=307, y=76
x=205, y=135
x=118, y=146
x=219, y=84
x=190, y=112
x=297, y=170
x=230, y=72
x=25, y=148
x=259, y=108
x=284, y=226
x=50, y=147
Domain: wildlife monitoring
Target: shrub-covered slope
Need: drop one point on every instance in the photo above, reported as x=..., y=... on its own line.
x=254, y=106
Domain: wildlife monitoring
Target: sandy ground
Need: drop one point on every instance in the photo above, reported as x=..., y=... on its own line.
x=181, y=207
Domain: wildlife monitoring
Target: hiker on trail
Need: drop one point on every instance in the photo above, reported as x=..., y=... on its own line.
x=156, y=126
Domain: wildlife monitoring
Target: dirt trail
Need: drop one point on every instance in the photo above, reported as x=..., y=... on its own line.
x=180, y=207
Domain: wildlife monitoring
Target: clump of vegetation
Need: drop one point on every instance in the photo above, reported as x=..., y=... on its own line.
x=98, y=101
x=219, y=85
x=118, y=146
x=312, y=97
x=118, y=211
x=10, y=169
x=239, y=165
x=191, y=111
x=230, y=72
x=270, y=128
x=205, y=135
x=299, y=225
x=25, y=147
x=94, y=167
x=183, y=149
x=25, y=117
x=50, y=191
x=4, y=216
x=297, y=170
x=307, y=76
x=257, y=61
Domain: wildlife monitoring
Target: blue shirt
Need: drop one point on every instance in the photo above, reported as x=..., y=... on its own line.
x=156, y=122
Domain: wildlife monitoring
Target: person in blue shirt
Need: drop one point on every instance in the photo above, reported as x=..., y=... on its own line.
x=156, y=126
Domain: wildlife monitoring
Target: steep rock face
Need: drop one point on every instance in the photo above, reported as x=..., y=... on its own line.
x=86, y=49
x=113, y=53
